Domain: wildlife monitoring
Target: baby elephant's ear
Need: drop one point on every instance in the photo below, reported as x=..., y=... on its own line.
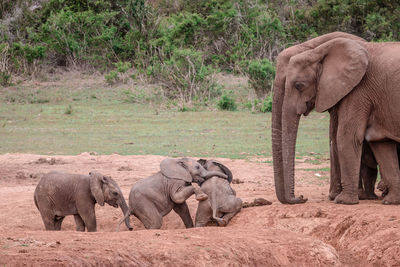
x=224, y=169
x=96, y=183
x=176, y=169
x=202, y=162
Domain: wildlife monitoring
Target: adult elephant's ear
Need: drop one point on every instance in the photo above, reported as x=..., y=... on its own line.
x=224, y=169
x=176, y=169
x=340, y=63
x=96, y=183
x=344, y=63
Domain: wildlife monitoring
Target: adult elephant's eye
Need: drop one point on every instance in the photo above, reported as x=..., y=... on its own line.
x=298, y=85
x=115, y=193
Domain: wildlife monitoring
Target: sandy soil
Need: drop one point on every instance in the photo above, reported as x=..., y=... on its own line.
x=318, y=233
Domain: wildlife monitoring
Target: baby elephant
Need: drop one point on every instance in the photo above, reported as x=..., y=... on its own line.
x=222, y=203
x=154, y=197
x=60, y=194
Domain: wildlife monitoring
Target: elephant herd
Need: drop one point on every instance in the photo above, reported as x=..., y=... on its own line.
x=60, y=194
x=356, y=81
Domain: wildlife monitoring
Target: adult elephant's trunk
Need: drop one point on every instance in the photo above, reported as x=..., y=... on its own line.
x=124, y=208
x=290, y=125
x=284, y=132
x=276, y=128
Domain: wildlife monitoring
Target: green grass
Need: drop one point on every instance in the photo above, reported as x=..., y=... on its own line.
x=73, y=121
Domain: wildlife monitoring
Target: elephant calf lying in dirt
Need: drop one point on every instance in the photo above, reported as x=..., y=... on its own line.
x=60, y=194
x=222, y=203
x=154, y=197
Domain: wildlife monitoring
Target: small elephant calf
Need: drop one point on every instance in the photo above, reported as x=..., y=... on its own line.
x=154, y=197
x=60, y=194
x=222, y=203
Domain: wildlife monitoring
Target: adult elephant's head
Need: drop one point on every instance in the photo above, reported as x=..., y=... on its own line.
x=317, y=73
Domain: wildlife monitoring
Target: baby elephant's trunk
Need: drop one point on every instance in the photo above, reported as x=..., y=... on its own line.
x=125, y=210
x=126, y=218
x=209, y=174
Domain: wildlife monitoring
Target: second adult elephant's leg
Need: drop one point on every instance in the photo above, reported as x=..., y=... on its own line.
x=183, y=211
x=335, y=187
x=386, y=156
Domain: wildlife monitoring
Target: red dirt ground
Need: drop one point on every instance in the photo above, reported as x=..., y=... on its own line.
x=317, y=233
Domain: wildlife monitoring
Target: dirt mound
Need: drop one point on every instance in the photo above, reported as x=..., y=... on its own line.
x=317, y=233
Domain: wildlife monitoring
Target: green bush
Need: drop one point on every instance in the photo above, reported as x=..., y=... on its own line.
x=81, y=37
x=267, y=104
x=185, y=76
x=261, y=74
x=227, y=102
x=5, y=78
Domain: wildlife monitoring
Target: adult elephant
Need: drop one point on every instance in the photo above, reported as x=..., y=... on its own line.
x=358, y=83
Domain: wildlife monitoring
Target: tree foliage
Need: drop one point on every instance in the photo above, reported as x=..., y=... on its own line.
x=180, y=43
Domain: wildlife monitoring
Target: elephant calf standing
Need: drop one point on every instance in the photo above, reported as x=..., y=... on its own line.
x=222, y=203
x=60, y=194
x=154, y=197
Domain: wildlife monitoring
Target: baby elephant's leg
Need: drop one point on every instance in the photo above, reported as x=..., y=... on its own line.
x=230, y=208
x=180, y=192
x=148, y=214
x=183, y=211
x=203, y=214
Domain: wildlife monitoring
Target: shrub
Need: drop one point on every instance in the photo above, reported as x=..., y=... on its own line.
x=5, y=78
x=185, y=76
x=115, y=76
x=261, y=74
x=227, y=103
x=68, y=110
x=267, y=104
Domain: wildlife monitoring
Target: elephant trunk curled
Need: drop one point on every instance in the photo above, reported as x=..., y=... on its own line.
x=124, y=208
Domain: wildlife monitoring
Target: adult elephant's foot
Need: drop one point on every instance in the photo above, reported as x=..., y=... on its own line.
x=333, y=195
x=391, y=199
x=372, y=196
x=348, y=199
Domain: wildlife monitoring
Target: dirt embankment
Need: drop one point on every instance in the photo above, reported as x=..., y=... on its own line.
x=318, y=233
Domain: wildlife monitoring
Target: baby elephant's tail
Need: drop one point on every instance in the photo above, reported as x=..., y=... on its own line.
x=127, y=214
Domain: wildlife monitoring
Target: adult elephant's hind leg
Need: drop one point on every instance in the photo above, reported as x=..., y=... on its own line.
x=386, y=156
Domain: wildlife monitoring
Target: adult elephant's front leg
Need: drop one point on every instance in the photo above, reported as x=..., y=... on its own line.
x=349, y=154
x=386, y=156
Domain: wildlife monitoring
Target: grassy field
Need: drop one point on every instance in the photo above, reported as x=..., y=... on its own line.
x=70, y=117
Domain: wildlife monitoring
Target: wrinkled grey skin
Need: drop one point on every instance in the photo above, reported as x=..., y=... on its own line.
x=152, y=198
x=60, y=194
x=222, y=203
